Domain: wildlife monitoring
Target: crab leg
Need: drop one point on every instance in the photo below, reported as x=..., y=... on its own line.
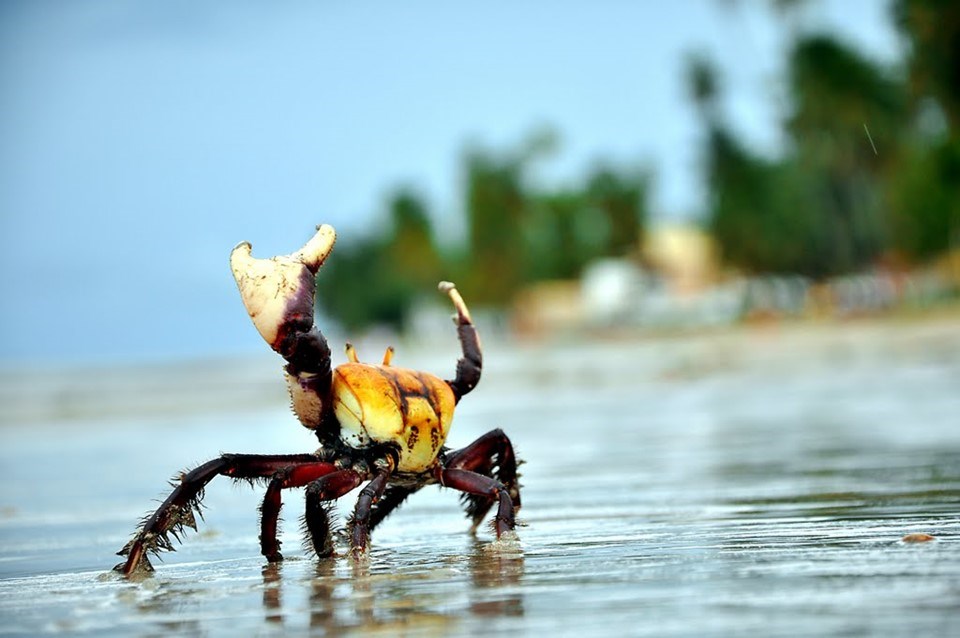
x=319, y=492
x=493, y=449
x=178, y=509
x=360, y=524
x=470, y=364
x=286, y=478
x=473, y=483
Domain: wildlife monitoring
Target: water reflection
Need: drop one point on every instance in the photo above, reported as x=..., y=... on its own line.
x=372, y=602
x=496, y=576
x=272, y=601
x=411, y=594
x=322, y=603
x=164, y=601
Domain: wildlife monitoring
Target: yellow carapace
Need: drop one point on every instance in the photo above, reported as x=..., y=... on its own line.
x=383, y=404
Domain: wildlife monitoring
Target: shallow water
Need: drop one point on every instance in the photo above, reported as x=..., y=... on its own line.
x=754, y=483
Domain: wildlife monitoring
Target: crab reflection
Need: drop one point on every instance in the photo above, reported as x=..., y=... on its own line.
x=496, y=576
x=272, y=603
x=416, y=597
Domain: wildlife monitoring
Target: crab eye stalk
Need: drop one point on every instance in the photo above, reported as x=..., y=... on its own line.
x=351, y=353
x=470, y=365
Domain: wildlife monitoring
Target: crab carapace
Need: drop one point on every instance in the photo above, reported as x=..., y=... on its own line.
x=376, y=423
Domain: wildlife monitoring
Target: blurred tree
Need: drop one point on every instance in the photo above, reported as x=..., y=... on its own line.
x=375, y=280
x=518, y=234
x=817, y=210
x=926, y=187
x=843, y=107
x=410, y=246
x=925, y=202
x=561, y=236
x=703, y=83
x=872, y=166
x=756, y=209
x=497, y=206
x=932, y=29
x=620, y=198
x=762, y=217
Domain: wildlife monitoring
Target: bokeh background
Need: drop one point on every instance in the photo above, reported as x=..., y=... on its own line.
x=500, y=146
x=712, y=248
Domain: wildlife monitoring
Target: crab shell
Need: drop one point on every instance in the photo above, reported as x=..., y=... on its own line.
x=384, y=404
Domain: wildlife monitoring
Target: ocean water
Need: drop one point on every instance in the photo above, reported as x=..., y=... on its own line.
x=756, y=482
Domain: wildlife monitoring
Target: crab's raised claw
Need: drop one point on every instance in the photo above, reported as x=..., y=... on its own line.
x=278, y=295
x=278, y=292
x=470, y=364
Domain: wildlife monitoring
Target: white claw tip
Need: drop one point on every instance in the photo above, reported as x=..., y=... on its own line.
x=450, y=289
x=315, y=251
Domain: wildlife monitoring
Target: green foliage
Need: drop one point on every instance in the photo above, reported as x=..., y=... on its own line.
x=925, y=202
x=496, y=204
x=857, y=181
x=620, y=199
x=374, y=280
x=753, y=201
x=932, y=28
x=925, y=190
x=517, y=235
x=520, y=234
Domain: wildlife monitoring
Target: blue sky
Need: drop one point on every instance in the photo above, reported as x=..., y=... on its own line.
x=140, y=141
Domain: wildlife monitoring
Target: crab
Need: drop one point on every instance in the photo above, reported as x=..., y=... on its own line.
x=376, y=423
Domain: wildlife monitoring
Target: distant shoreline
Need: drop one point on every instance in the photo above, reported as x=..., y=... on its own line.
x=611, y=358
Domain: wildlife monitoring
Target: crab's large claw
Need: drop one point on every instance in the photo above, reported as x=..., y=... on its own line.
x=278, y=292
x=278, y=295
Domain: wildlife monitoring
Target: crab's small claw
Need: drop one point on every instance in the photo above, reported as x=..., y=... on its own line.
x=450, y=289
x=279, y=291
x=470, y=364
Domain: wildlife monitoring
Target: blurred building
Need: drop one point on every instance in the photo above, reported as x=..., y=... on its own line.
x=683, y=256
x=671, y=283
x=676, y=283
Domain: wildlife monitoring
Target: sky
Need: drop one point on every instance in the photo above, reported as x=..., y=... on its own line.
x=139, y=142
